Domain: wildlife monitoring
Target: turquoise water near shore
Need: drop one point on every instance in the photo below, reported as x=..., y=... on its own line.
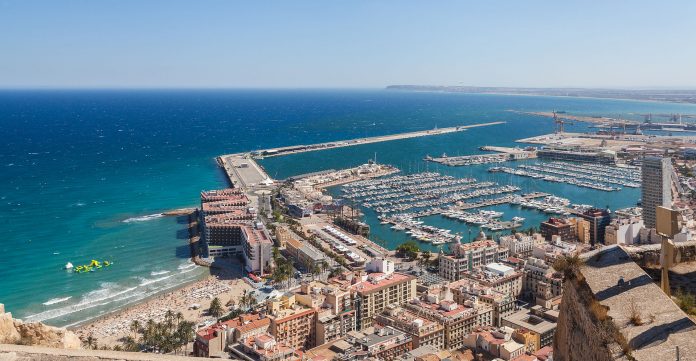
x=86, y=173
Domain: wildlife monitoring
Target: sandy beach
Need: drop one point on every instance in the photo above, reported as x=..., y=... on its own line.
x=110, y=329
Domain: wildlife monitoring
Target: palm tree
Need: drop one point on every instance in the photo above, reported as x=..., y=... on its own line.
x=425, y=257
x=323, y=266
x=243, y=300
x=315, y=271
x=129, y=344
x=90, y=342
x=179, y=317
x=135, y=327
x=307, y=264
x=249, y=299
x=186, y=330
x=149, y=333
x=215, y=308
x=169, y=320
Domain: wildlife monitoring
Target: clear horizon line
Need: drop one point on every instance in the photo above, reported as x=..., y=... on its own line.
x=185, y=87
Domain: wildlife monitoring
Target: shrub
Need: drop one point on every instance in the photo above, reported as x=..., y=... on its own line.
x=599, y=311
x=634, y=316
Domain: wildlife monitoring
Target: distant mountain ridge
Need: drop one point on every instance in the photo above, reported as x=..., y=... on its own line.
x=665, y=95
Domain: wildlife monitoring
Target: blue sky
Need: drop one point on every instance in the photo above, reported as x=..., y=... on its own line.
x=287, y=44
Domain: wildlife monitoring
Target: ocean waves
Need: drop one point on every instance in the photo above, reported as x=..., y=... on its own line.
x=149, y=217
x=53, y=301
x=111, y=296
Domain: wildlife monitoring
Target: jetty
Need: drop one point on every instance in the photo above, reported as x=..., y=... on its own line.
x=275, y=152
x=243, y=171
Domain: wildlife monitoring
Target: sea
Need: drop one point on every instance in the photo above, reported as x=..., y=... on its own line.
x=86, y=174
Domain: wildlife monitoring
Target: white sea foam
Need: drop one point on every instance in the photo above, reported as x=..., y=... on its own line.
x=157, y=273
x=90, y=300
x=187, y=270
x=149, y=217
x=53, y=301
x=148, y=281
x=187, y=265
x=111, y=293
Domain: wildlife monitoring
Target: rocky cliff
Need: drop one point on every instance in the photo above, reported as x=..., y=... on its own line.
x=579, y=336
x=14, y=331
x=613, y=310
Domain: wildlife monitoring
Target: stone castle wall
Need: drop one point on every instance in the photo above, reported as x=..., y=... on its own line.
x=577, y=336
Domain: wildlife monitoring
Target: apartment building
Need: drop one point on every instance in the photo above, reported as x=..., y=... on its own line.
x=503, y=304
x=537, y=320
x=456, y=319
x=656, y=188
x=336, y=314
x=519, y=245
x=598, y=219
x=380, y=343
x=375, y=291
x=214, y=340
x=291, y=322
x=466, y=257
x=540, y=278
x=498, y=276
x=258, y=249
x=560, y=227
x=423, y=331
x=497, y=343
x=265, y=347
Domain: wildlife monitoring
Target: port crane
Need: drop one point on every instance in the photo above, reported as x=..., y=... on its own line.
x=672, y=118
x=560, y=123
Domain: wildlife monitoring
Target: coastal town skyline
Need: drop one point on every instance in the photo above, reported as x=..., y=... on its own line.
x=360, y=181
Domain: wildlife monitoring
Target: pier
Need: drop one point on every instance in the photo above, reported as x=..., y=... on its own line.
x=275, y=152
x=502, y=154
x=242, y=171
x=480, y=204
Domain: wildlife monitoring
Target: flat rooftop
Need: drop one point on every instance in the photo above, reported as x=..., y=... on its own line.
x=243, y=171
x=655, y=340
x=377, y=281
x=524, y=318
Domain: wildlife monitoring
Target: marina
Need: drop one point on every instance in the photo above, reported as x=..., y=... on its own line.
x=401, y=201
x=418, y=230
x=421, y=190
x=594, y=176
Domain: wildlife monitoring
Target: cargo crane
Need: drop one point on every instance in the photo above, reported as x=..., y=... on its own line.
x=559, y=123
x=677, y=118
